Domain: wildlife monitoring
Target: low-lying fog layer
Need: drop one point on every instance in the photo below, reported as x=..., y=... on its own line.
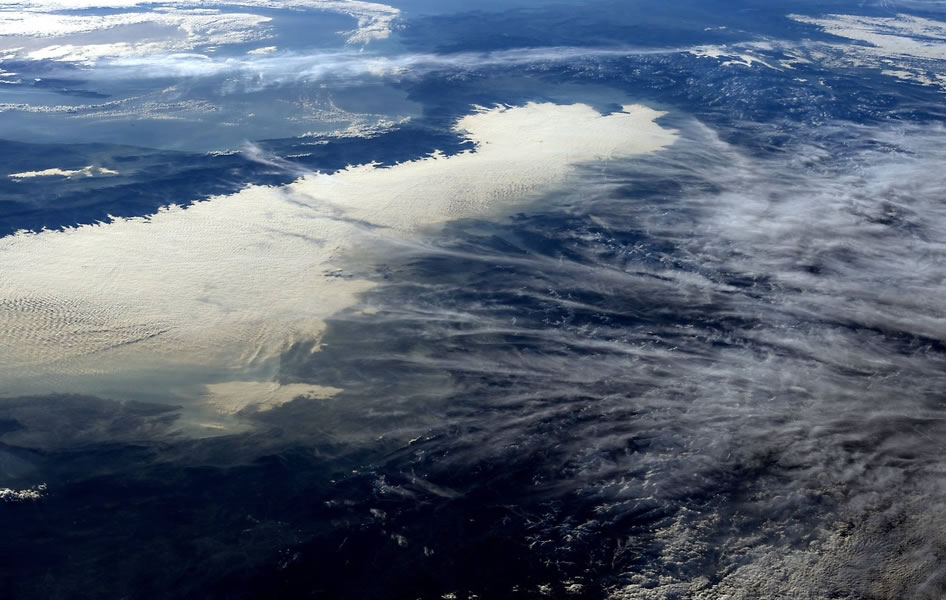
x=228, y=283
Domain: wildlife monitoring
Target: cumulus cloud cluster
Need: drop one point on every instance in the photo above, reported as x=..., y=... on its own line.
x=33, y=493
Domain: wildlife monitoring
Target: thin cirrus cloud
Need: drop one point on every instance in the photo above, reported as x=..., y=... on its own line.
x=765, y=337
x=268, y=66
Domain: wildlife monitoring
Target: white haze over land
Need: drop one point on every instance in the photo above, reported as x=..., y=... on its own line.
x=217, y=56
x=228, y=283
x=906, y=47
x=74, y=31
x=175, y=31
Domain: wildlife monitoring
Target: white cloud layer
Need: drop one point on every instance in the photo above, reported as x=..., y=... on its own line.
x=907, y=47
x=230, y=282
x=150, y=28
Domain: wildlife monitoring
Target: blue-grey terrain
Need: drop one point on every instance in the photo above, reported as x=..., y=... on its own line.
x=429, y=300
